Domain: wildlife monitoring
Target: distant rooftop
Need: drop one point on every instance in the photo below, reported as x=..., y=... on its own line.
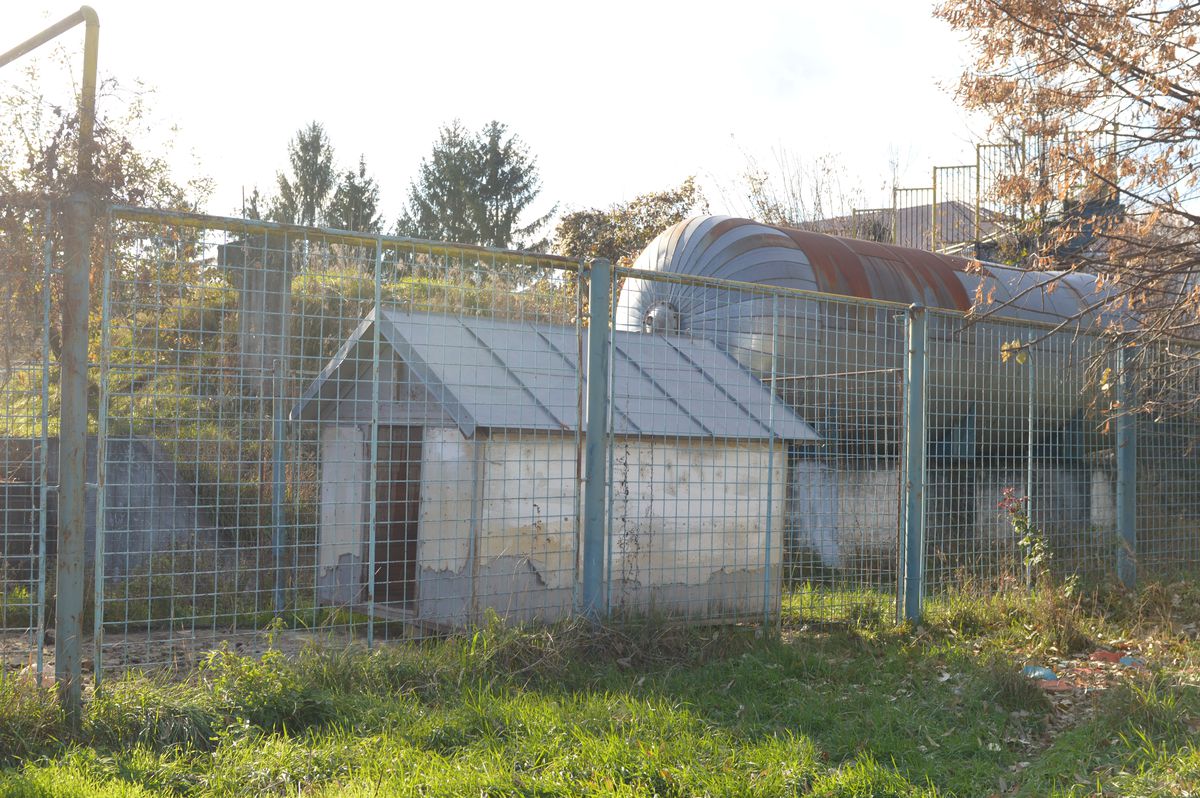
x=913, y=226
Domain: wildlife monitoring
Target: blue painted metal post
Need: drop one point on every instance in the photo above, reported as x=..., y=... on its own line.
x=44, y=461
x=913, y=541
x=772, y=601
x=1126, y=472
x=596, y=435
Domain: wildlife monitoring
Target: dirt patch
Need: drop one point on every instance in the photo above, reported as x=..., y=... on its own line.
x=161, y=650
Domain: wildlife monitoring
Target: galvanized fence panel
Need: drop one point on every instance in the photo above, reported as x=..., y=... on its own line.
x=1165, y=382
x=28, y=454
x=344, y=435
x=1020, y=470
x=823, y=507
x=319, y=436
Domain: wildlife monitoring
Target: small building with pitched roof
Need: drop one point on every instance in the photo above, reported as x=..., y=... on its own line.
x=477, y=466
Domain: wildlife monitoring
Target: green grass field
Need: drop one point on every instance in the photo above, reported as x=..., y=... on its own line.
x=647, y=710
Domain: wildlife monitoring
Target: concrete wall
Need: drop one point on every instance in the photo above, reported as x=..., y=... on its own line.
x=150, y=507
x=840, y=515
x=697, y=526
x=499, y=526
x=689, y=530
x=260, y=267
x=342, y=536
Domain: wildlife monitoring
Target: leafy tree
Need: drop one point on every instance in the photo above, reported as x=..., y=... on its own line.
x=301, y=198
x=39, y=141
x=253, y=206
x=1122, y=195
x=442, y=201
x=355, y=203
x=621, y=231
x=474, y=189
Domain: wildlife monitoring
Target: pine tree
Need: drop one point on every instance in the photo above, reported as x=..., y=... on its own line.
x=508, y=183
x=473, y=188
x=355, y=203
x=301, y=199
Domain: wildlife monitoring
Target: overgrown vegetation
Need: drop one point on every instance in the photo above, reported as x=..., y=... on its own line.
x=943, y=709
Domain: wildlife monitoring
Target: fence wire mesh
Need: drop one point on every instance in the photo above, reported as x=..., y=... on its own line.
x=296, y=425
x=1011, y=439
x=329, y=436
x=28, y=456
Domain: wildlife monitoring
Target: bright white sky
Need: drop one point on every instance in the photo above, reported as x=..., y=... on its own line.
x=614, y=98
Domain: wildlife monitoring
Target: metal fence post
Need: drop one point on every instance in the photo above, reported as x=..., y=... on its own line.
x=913, y=539
x=68, y=625
x=102, y=464
x=769, y=601
x=73, y=378
x=1126, y=472
x=277, y=483
x=44, y=460
x=373, y=444
x=596, y=436
x=1029, y=448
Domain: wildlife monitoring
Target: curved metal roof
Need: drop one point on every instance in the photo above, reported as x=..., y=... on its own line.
x=744, y=250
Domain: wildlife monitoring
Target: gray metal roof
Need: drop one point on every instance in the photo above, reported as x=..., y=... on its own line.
x=489, y=373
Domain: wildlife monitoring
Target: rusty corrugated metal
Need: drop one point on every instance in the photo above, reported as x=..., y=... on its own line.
x=872, y=270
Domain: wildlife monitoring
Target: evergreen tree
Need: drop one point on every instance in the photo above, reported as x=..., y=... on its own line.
x=473, y=189
x=301, y=199
x=355, y=203
x=253, y=206
x=508, y=183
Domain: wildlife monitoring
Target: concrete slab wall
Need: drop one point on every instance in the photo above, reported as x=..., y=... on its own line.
x=841, y=514
x=151, y=506
x=697, y=526
x=689, y=530
x=692, y=525
x=343, y=536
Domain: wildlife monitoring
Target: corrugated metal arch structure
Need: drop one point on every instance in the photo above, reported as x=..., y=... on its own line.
x=747, y=251
x=791, y=338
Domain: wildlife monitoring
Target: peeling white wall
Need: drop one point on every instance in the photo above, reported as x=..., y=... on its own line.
x=530, y=504
x=343, y=539
x=447, y=495
x=692, y=523
x=683, y=510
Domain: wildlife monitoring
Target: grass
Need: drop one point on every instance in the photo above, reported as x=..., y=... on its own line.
x=652, y=710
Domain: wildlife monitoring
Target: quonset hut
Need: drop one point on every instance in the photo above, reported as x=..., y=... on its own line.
x=839, y=363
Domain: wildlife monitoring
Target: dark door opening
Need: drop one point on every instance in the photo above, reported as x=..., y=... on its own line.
x=398, y=505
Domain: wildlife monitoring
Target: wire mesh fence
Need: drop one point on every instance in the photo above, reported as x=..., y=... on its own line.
x=1011, y=440
x=28, y=456
x=293, y=426
x=328, y=436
